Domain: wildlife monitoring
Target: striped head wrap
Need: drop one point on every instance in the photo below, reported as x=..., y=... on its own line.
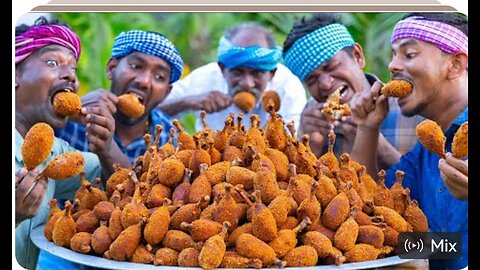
x=312, y=50
x=152, y=43
x=445, y=37
x=254, y=57
x=42, y=35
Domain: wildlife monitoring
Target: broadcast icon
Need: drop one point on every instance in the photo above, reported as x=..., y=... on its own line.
x=409, y=245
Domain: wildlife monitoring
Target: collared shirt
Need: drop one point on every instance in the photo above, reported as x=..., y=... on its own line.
x=209, y=78
x=444, y=212
x=397, y=129
x=74, y=133
x=25, y=251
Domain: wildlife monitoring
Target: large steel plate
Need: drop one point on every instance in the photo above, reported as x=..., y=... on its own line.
x=94, y=261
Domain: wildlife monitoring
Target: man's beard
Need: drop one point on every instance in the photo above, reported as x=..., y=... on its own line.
x=417, y=110
x=128, y=121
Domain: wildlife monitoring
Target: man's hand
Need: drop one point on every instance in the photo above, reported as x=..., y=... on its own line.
x=100, y=126
x=28, y=194
x=314, y=123
x=369, y=108
x=97, y=98
x=210, y=102
x=454, y=173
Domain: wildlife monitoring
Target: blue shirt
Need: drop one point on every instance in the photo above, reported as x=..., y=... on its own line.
x=74, y=133
x=445, y=213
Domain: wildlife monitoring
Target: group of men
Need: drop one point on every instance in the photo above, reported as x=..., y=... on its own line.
x=430, y=51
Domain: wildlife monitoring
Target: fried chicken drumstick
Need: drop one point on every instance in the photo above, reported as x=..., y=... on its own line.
x=67, y=103
x=333, y=110
x=397, y=88
x=431, y=136
x=130, y=105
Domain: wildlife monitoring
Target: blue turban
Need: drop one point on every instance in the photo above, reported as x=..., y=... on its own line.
x=254, y=57
x=150, y=43
x=312, y=50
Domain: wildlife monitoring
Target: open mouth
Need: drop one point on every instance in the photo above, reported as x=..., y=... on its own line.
x=339, y=92
x=52, y=97
x=140, y=97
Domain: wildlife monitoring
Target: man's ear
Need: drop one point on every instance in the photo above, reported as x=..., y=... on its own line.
x=458, y=65
x=358, y=55
x=111, y=65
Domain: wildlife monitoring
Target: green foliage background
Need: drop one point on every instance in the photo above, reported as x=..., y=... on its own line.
x=196, y=36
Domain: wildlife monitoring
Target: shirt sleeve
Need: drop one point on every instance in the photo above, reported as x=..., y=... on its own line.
x=66, y=188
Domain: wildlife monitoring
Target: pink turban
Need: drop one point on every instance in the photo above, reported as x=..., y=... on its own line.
x=40, y=36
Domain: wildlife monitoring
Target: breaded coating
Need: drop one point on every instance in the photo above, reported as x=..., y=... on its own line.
x=287, y=239
x=271, y=95
x=245, y=228
x=37, y=145
x=177, y=240
x=275, y=129
x=126, y=243
x=213, y=249
x=67, y=103
x=392, y=218
x=245, y=101
x=103, y=210
x=290, y=223
x=64, y=228
x=361, y=253
x=336, y=211
x=398, y=193
x=397, y=88
x=171, y=172
x=302, y=256
x=87, y=222
x=118, y=177
x=142, y=254
x=321, y=243
x=157, y=225
x=115, y=223
x=460, y=142
x=346, y=235
x=431, y=136
x=202, y=229
x=251, y=247
x=81, y=242
x=188, y=257
x=370, y=234
x=166, y=256
x=130, y=105
x=415, y=216
x=232, y=259
x=333, y=110
x=101, y=239
x=280, y=161
x=64, y=166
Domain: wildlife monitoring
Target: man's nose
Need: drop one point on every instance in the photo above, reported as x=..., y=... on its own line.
x=247, y=82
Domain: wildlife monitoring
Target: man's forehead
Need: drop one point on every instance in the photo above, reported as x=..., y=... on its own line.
x=145, y=57
x=249, y=37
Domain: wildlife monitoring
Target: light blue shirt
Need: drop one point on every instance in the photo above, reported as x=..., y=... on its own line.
x=25, y=251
